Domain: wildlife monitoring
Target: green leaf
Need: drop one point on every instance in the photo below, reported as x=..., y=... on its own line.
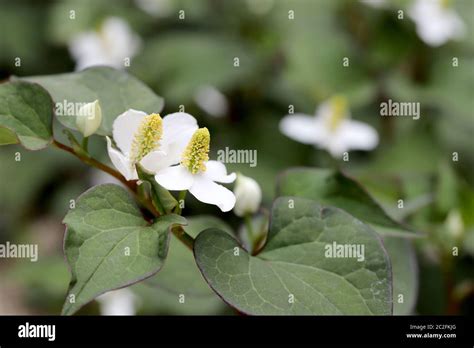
x=405, y=274
x=331, y=187
x=7, y=137
x=294, y=263
x=109, y=245
x=116, y=91
x=26, y=109
x=180, y=274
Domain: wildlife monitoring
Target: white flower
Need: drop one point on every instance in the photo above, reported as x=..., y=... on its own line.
x=260, y=7
x=156, y=8
x=436, y=23
x=118, y=302
x=153, y=142
x=111, y=45
x=89, y=118
x=199, y=175
x=211, y=100
x=248, y=195
x=331, y=129
x=454, y=224
x=375, y=3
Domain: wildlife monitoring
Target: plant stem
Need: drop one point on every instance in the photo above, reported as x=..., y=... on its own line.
x=132, y=185
x=181, y=197
x=185, y=238
x=178, y=231
x=249, y=228
x=85, y=143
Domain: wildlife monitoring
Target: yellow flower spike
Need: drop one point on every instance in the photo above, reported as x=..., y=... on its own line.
x=339, y=111
x=147, y=137
x=445, y=3
x=197, y=152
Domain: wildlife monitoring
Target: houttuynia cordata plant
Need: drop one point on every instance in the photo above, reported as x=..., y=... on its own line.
x=323, y=247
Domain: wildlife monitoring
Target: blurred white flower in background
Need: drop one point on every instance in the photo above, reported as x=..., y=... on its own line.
x=454, y=224
x=375, y=3
x=331, y=129
x=118, y=302
x=248, y=195
x=211, y=100
x=436, y=22
x=260, y=7
x=110, y=45
x=156, y=8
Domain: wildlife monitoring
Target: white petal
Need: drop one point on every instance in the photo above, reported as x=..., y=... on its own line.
x=121, y=162
x=178, y=129
x=303, y=128
x=336, y=146
x=174, y=148
x=207, y=191
x=216, y=171
x=175, y=178
x=177, y=123
x=357, y=135
x=435, y=24
x=125, y=127
x=155, y=161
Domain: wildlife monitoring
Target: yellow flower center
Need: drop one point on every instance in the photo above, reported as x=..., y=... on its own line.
x=445, y=3
x=147, y=137
x=338, y=106
x=196, y=154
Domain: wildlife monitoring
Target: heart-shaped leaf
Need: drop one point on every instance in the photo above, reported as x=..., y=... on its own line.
x=115, y=90
x=331, y=187
x=26, y=112
x=109, y=245
x=301, y=269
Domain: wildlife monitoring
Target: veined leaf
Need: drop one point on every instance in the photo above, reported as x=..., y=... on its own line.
x=295, y=273
x=26, y=112
x=109, y=245
x=115, y=90
x=331, y=187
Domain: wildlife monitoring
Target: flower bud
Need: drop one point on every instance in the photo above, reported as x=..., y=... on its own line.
x=248, y=195
x=89, y=118
x=454, y=224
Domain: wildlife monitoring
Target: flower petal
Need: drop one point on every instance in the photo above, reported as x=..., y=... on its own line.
x=121, y=162
x=176, y=124
x=216, y=171
x=155, y=161
x=178, y=129
x=125, y=127
x=303, y=128
x=175, y=178
x=357, y=135
x=207, y=191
